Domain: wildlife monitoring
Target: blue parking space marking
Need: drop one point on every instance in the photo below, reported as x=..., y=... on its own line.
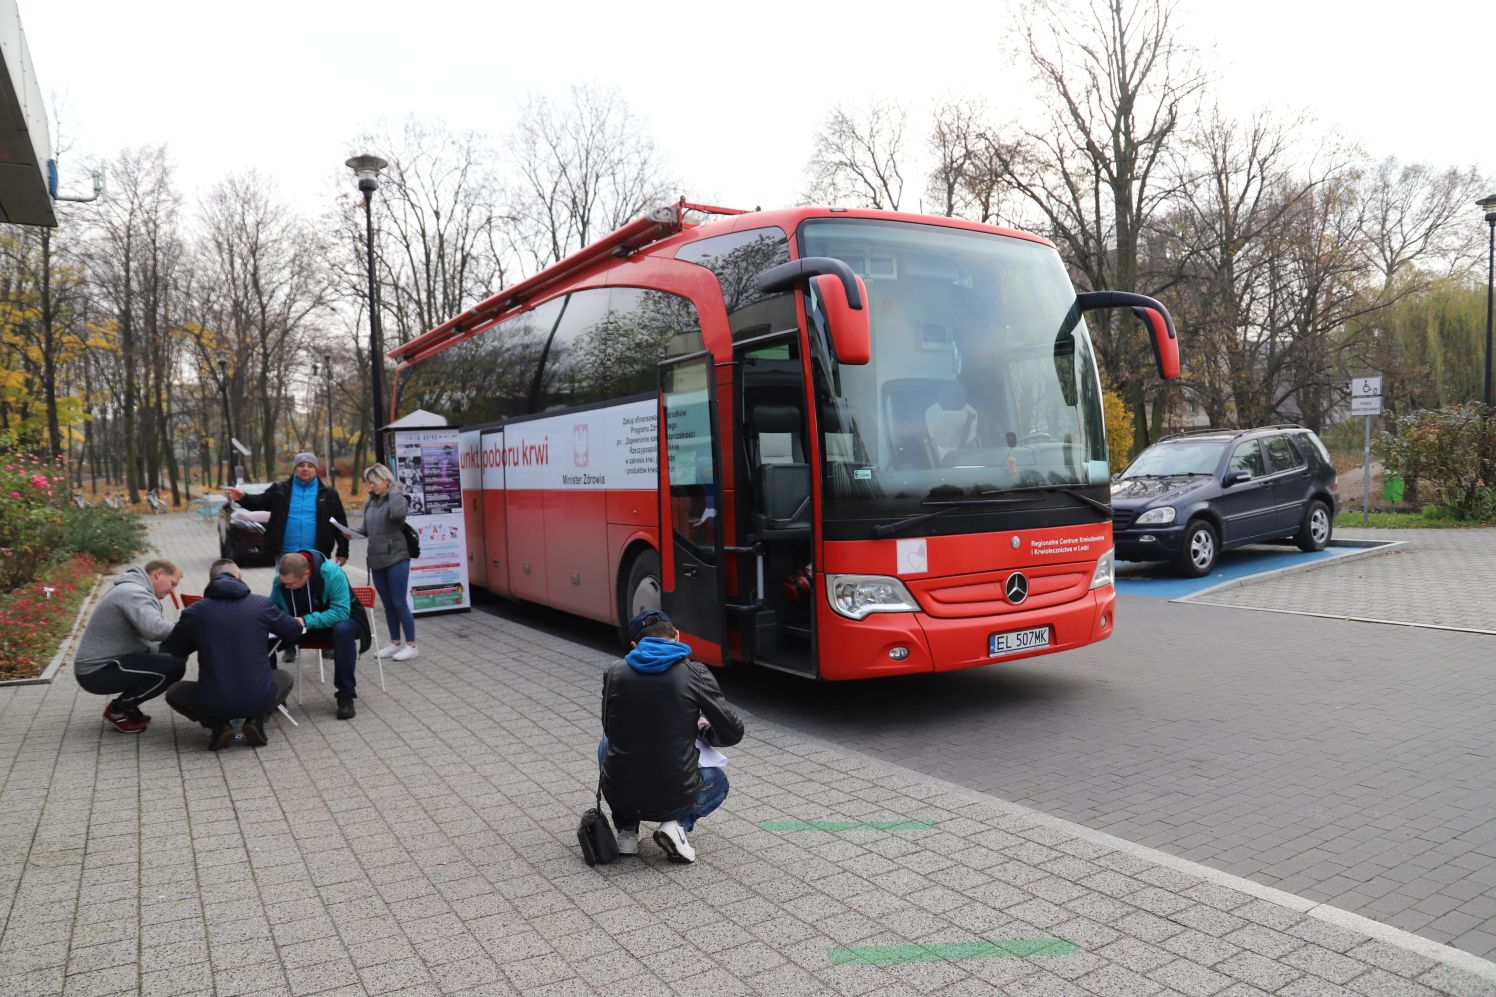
x=1157, y=580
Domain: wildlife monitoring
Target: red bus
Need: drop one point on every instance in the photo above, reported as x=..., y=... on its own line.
x=839, y=443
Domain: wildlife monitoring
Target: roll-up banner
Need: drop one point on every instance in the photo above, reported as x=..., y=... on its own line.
x=428, y=465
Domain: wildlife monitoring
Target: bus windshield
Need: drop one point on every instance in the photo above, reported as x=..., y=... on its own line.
x=982, y=378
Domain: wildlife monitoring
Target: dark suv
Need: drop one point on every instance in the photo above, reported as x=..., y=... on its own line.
x=1191, y=496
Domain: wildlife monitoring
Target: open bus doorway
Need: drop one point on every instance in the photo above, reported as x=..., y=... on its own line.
x=774, y=505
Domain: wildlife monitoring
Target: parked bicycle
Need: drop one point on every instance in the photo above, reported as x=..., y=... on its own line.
x=153, y=499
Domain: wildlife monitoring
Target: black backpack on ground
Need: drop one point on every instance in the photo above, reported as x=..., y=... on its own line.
x=595, y=834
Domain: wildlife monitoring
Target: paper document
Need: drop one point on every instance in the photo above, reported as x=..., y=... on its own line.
x=711, y=758
x=347, y=531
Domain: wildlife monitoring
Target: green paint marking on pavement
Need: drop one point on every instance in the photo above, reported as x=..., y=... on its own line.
x=848, y=825
x=1008, y=948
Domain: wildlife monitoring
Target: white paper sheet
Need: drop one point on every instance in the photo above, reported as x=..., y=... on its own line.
x=711, y=758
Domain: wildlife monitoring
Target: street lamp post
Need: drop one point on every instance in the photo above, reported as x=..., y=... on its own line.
x=228, y=419
x=332, y=467
x=366, y=168
x=1488, y=205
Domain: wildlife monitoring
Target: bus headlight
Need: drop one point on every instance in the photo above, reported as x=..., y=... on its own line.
x=1106, y=572
x=857, y=596
x=1156, y=517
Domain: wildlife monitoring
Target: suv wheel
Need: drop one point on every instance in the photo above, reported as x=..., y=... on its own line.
x=1315, y=532
x=1201, y=548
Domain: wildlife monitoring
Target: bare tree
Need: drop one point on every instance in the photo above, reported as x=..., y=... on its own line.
x=133, y=262
x=1119, y=83
x=262, y=267
x=856, y=158
x=584, y=167
x=442, y=234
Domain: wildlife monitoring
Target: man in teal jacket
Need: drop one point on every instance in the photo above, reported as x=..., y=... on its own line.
x=316, y=592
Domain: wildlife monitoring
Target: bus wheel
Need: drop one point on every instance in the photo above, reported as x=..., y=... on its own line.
x=641, y=591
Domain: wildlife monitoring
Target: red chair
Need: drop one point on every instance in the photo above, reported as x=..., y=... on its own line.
x=365, y=596
x=188, y=600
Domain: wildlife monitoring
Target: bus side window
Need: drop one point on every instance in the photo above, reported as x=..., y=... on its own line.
x=609, y=344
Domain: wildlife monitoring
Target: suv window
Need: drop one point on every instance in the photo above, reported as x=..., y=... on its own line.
x=1318, y=445
x=1281, y=455
x=1248, y=457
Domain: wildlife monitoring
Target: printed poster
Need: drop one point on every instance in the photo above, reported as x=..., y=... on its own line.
x=428, y=465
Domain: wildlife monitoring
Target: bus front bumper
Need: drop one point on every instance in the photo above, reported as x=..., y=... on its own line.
x=909, y=643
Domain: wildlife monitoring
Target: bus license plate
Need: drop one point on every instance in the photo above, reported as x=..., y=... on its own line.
x=1017, y=640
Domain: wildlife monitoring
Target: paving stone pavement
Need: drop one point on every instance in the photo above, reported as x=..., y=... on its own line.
x=1441, y=578
x=428, y=847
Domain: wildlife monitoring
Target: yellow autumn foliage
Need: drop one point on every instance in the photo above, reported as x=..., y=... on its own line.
x=1118, y=429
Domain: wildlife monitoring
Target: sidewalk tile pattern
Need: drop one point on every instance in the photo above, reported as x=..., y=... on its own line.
x=428, y=848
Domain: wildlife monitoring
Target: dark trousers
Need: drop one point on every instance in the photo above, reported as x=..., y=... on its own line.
x=133, y=678
x=182, y=697
x=343, y=636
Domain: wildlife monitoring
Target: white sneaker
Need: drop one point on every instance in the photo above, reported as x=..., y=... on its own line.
x=406, y=653
x=389, y=650
x=628, y=841
x=672, y=838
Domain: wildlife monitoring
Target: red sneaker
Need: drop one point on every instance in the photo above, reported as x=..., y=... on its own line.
x=122, y=722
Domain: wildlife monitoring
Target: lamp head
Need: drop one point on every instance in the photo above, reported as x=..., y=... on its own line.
x=1488, y=205
x=366, y=168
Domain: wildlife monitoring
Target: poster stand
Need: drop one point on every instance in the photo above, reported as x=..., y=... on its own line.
x=426, y=462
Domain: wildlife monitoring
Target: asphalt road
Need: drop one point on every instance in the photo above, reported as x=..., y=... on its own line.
x=1346, y=762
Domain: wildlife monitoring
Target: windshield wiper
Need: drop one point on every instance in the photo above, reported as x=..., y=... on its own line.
x=889, y=529
x=1074, y=493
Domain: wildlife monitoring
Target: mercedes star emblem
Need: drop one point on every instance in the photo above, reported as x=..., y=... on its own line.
x=1016, y=588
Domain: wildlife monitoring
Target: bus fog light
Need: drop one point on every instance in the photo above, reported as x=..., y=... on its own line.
x=898, y=653
x=1104, y=621
x=858, y=596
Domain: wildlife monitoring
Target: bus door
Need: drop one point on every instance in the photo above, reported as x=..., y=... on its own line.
x=773, y=504
x=690, y=516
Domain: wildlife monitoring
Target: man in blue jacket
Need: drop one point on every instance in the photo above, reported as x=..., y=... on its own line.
x=316, y=592
x=235, y=678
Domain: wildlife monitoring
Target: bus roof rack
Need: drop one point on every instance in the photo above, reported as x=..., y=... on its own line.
x=650, y=227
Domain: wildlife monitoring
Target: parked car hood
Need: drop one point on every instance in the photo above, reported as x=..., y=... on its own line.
x=1133, y=493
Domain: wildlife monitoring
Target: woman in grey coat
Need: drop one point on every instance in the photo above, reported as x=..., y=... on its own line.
x=389, y=560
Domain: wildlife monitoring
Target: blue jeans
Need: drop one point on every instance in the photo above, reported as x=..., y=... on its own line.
x=343, y=636
x=392, y=583
x=713, y=792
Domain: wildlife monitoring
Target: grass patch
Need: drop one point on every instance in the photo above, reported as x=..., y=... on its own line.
x=35, y=617
x=1428, y=518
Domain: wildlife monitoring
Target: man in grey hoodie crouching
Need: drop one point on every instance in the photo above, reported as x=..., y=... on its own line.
x=117, y=653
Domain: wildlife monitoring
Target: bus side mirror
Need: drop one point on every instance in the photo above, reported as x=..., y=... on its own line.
x=1155, y=318
x=851, y=332
x=842, y=294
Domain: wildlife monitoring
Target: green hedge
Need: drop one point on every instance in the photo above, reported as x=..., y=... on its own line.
x=39, y=528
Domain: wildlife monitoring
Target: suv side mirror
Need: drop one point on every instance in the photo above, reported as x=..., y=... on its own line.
x=842, y=294
x=1235, y=476
x=1153, y=315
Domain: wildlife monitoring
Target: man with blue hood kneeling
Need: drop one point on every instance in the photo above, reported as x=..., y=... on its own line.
x=657, y=703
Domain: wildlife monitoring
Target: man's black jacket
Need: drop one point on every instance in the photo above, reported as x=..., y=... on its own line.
x=277, y=499
x=650, y=722
x=227, y=630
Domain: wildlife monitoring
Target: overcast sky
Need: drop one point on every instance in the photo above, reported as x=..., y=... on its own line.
x=731, y=93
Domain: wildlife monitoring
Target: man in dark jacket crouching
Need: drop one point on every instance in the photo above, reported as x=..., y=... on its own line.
x=656, y=704
x=236, y=679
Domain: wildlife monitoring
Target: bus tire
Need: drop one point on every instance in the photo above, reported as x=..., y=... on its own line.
x=641, y=589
